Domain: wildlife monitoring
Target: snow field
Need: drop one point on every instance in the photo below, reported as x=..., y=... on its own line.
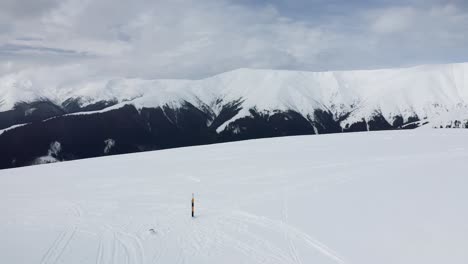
x=378, y=197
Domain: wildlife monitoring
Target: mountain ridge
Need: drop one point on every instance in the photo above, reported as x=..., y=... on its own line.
x=243, y=104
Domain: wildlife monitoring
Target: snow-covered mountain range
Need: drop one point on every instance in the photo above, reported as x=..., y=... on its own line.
x=427, y=92
x=240, y=104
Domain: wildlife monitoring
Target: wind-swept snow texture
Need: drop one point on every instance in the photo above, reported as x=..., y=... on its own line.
x=377, y=197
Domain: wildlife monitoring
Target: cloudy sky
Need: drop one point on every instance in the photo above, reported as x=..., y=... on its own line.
x=198, y=38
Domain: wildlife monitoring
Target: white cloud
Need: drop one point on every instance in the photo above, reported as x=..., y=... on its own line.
x=174, y=38
x=431, y=19
x=394, y=20
x=196, y=38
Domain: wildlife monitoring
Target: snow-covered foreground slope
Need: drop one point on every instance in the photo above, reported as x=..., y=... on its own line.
x=379, y=197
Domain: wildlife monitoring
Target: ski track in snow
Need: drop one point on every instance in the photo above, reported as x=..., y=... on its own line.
x=56, y=250
x=100, y=254
x=291, y=231
x=116, y=244
x=292, y=247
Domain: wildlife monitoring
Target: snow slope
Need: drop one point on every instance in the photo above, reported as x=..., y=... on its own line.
x=10, y=128
x=436, y=93
x=377, y=197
